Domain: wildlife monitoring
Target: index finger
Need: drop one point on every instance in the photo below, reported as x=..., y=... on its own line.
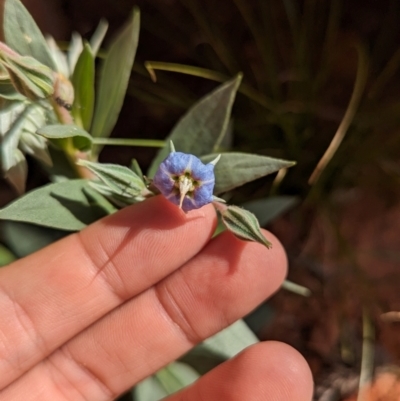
x=50, y=296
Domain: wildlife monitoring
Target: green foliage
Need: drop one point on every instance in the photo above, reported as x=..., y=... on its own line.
x=40, y=112
x=81, y=139
x=119, y=180
x=64, y=205
x=243, y=224
x=23, y=35
x=83, y=82
x=202, y=128
x=114, y=77
x=235, y=169
x=168, y=380
x=6, y=256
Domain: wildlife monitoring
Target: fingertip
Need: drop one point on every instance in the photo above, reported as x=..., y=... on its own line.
x=264, y=371
x=288, y=373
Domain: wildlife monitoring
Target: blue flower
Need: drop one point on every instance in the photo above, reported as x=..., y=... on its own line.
x=185, y=180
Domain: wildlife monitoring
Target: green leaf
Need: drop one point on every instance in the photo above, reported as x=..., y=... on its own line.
x=83, y=82
x=59, y=57
x=18, y=122
x=235, y=169
x=120, y=179
x=7, y=91
x=17, y=170
x=242, y=223
x=230, y=341
x=13, y=164
x=75, y=48
x=35, y=237
x=97, y=38
x=114, y=77
x=202, y=128
x=29, y=77
x=270, y=208
x=36, y=146
x=81, y=139
x=23, y=35
x=62, y=205
x=168, y=380
x=6, y=256
x=150, y=389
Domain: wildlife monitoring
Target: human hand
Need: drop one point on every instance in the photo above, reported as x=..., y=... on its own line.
x=91, y=315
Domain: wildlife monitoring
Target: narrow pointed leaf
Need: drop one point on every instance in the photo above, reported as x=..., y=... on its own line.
x=97, y=38
x=120, y=179
x=29, y=77
x=82, y=140
x=36, y=146
x=83, y=82
x=114, y=77
x=63, y=205
x=202, y=128
x=74, y=50
x=242, y=223
x=23, y=35
x=170, y=379
x=235, y=169
x=59, y=57
x=17, y=171
x=230, y=341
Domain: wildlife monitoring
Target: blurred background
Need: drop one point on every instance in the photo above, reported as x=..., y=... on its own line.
x=322, y=87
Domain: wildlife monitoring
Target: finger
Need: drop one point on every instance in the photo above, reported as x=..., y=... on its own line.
x=48, y=297
x=266, y=371
x=226, y=280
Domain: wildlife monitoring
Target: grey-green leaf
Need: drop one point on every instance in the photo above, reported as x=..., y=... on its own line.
x=23, y=35
x=17, y=170
x=82, y=140
x=235, y=169
x=97, y=38
x=171, y=379
x=202, y=128
x=268, y=209
x=114, y=77
x=62, y=205
x=6, y=256
x=230, y=341
x=242, y=223
x=120, y=179
x=83, y=82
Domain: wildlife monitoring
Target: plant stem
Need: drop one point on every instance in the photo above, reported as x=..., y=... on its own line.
x=150, y=143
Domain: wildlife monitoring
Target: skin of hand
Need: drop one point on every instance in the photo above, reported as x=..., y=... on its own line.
x=96, y=312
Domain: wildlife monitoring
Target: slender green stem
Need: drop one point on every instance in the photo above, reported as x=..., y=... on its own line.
x=296, y=288
x=246, y=90
x=367, y=357
x=150, y=143
x=358, y=90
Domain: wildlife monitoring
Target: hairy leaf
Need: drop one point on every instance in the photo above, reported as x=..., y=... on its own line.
x=242, y=223
x=202, y=128
x=114, y=77
x=97, y=38
x=63, y=205
x=120, y=179
x=82, y=140
x=23, y=35
x=235, y=169
x=230, y=341
x=166, y=381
